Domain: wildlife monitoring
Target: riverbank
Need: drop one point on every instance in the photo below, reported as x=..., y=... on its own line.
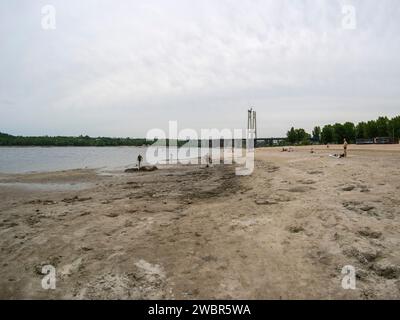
x=191, y=232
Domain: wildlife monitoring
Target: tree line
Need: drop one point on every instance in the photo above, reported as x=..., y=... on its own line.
x=61, y=141
x=80, y=141
x=335, y=133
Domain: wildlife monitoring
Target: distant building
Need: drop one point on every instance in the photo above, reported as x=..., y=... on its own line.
x=365, y=141
x=377, y=140
x=268, y=142
x=384, y=140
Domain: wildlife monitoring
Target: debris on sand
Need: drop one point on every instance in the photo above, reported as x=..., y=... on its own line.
x=315, y=172
x=44, y=202
x=112, y=214
x=143, y=168
x=295, y=229
x=76, y=198
x=264, y=202
x=148, y=168
x=337, y=156
x=86, y=248
x=348, y=188
x=300, y=189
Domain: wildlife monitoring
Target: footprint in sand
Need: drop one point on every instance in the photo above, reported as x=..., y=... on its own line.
x=359, y=207
x=386, y=269
x=363, y=252
x=306, y=182
x=295, y=228
x=368, y=233
x=363, y=188
x=272, y=169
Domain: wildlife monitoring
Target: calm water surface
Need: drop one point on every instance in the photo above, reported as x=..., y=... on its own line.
x=45, y=159
x=42, y=159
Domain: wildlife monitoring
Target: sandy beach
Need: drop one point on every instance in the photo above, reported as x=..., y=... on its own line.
x=189, y=232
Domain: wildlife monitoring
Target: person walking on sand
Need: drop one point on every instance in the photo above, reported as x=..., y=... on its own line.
x=345, y=147
x=139, y=159
x=208, y=160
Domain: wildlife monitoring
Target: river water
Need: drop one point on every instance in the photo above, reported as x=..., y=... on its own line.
x=45, y=159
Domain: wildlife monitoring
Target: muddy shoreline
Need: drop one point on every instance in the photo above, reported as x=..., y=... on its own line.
x=190, y=232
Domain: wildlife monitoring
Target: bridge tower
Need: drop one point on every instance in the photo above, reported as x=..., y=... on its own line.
x=252, y=121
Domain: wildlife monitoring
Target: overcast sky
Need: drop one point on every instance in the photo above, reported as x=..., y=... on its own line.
x=120, y=68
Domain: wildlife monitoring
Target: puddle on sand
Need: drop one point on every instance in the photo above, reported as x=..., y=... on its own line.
x=47, y=186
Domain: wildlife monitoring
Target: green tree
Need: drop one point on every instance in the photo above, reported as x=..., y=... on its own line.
x=361, y=131
x=395, y=127
x=339, y=133
x=70, y=141
x=372, y=129
x=291, y=135
x=316, y=134
x=350, y=132
x=302, y=135
x=327, y=134
x=382, y=127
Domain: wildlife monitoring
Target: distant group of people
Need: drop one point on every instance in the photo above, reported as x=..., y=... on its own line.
x=342, y=155
x=290, y=149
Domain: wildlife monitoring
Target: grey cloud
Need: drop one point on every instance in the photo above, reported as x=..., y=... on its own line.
x=122, y=68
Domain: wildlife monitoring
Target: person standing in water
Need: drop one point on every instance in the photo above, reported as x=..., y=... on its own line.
x=139, y=159
x=345, y=147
